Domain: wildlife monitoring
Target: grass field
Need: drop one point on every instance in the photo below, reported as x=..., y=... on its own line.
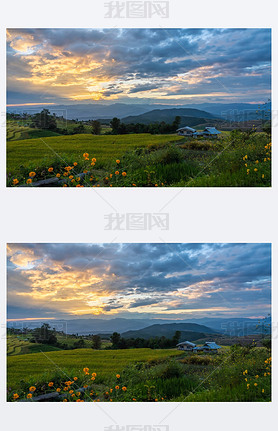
x=235, y=374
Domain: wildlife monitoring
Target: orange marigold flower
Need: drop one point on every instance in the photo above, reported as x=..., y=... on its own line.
x=15, y=396
x=65, y=400
x=32, y=174
x=75, y=164
x=15, y=181
x=111, y=390
x=29, y=396
x=71, y=177
x=78, y=394
x=111, y=175
x=94, y=160
x=65, y=185
x=78, y=179
x=75, y=378
x=58, y=175
x=117, y=173
x=117, y=387
x=118, y=161
x=71, y=391
x=85, y=172
x=93, y=378
x=94, y=374
x=50, y=384
x=124, y=174
x=85, y=370
x=50, y=169
x=85, y=155
x=124, y=388
x=32, y=388
x=29, y=181
x=58, y=390
x=118, y=376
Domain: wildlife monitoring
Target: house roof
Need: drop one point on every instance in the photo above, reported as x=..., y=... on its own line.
x=189, y=129
x=212, y=130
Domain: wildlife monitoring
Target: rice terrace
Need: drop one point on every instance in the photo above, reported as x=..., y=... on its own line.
x=98, y=335
x=144, y=115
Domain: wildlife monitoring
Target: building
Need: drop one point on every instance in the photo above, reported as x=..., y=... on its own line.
x=186, y=345
x=211, y=131
x=210, y=345
x=186, y=131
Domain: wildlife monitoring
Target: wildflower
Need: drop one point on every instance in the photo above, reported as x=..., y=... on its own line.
x=32, y=388
x=65, y=400
x=93, y=378
x=75, y=378
x=58, y=175
x=32, y=174
x=156, y=399
x=58, y=390
x=118, y=376
x=117, y=173
x=68, y=168
x=111, y=175
x=255, y=384
x=265, y=160
x=71, y=177
x=111, y=390
x=264, y=374
x=78, y=394
x=155, y=185
x=133, y=399
x=246, y=165
x=134, y=185
x=124, y=174
x=29, y=181
x=75, y=164
x=117, y=387
x=65, y=185
x=85, y=172
x=78, y=179
x=29, y=396
x=248, y=385
x=65, y=174
x=262, y=175
x=66, y=388
x=50, y=169
x=257, y=161
x=85, y=386
x=246, y=379
x=15, y=396
x=94, y=160
x=71, y=391
x=86, y=155
x=124, y=388
x=93, y=164
x=262, y=390
x=94, y=374
x=110, y=399
x=50, y=384
x=257, y=376
x=73, y=395
x=118, y=161
x=255, y=169
x=15, y=181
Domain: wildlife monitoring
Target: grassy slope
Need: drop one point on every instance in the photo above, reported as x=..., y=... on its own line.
x=103, y=362
x=104, y=148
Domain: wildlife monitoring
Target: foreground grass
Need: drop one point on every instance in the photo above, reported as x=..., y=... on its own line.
x=104, y=362
x=235, y=374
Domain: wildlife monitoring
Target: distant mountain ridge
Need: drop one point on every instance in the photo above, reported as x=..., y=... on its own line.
x=169, y=115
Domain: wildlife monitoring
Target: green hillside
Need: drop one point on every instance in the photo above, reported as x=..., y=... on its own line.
x=189, y=116
x=189, y=331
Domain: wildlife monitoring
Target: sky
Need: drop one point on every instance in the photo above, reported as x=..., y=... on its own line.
x=168, y=281
x=168, y=66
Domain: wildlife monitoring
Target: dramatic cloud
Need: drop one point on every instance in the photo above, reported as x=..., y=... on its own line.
x=138, y=65
x=133, y=280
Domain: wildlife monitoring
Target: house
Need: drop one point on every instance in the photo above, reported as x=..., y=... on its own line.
x=186, y=131
x=211, y=131
x=186, y=345
x=210, y=346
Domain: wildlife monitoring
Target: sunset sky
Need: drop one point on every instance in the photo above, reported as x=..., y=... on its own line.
x=173, y=281
x=172, y=66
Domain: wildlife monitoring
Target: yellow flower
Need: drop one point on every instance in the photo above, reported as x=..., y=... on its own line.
x=71, y=177
x=15, y=396
x=262, y=390
x=68, y=168
x=248, y=385
x=257, y=161
x=246, y=165
x=117, y=387
x=124, y=388
x=94, y=374
x=15, y=181
x=29, y=181
x=117, y=173
x=32, y=174
x=257, y=376
x=58, y=390
x=65, y=400
x=262, y=175
x=118, y=376
x=50, y=169
x=65, y=185
x=94, y=160
x=29, y=396
x=78, y=179
x=78, y=394
x=32, y=388
x=255, y=169
x=86, y=155
x=255, y=384
x=71, y=391
x=75, y=164
x=75, y=378
x=50, y=384
x=86, y=370
x=58, y=175
x=124, y=174
x=118, y=161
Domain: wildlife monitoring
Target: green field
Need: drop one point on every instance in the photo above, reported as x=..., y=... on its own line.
x=234, y=374
x=103, y=362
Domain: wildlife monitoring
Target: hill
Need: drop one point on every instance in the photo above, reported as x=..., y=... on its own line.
x=189, y=331
x=189, y=116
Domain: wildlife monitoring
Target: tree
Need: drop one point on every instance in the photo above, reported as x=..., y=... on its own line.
x=78, y=129
x=115, y=125
x=115, y=339
x=96, y=127
x=45, y=335
x=44, y=120
x=176, y=122
x=96, y=342
x=79, y=344
x=176, y=337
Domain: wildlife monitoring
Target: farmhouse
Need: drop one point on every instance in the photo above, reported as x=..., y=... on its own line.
x=211, y=345
x=186, y=131
x=186, y=345
x=210, y=131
